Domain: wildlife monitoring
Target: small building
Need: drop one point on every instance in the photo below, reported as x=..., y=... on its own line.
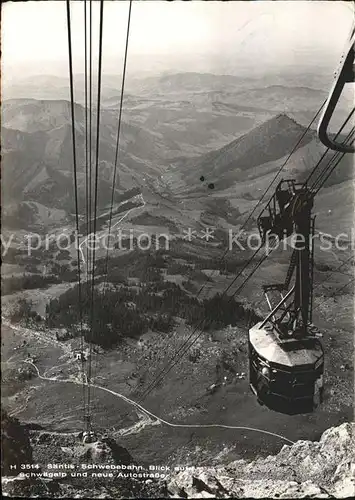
x=79, y=355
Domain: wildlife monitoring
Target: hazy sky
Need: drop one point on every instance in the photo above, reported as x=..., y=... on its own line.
x=266, y=34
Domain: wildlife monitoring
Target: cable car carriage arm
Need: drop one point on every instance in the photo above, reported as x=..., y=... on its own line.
x=345, y=75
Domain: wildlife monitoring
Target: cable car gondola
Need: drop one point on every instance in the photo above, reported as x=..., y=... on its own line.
x=286, y=375
x=286, y=359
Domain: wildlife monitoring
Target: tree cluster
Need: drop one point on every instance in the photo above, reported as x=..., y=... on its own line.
x=124, y=312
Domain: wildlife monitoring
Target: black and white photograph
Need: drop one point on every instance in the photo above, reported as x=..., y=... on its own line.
x=177, y=249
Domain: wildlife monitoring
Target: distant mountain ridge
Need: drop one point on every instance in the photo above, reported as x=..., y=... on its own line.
x=37, y=155
x=268, y=142
x=37, y=152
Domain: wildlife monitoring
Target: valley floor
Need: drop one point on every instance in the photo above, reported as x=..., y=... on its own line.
x=187, y=414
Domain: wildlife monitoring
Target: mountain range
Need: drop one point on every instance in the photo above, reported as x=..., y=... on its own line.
x=176, y=130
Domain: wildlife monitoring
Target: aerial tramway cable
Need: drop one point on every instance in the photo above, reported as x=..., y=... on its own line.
x=278, y=173
x=200, y=325
x=331, y=167
x=336, y=270
x=86, y=127
x=185, y=347
x=75, y=175
x=283, y=165
x=318, y=164
x=104, y=291
x=338, y=157
x=244, y=225
x=90, y=133
x=87, y=185
x=93, y=324
x=285, y=162
x=335, y=293
x=88, y=177
x=114, y=177
x=118, y=141
x=252, y=212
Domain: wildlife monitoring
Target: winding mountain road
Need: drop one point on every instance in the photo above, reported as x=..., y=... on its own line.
x=140, y=196
x=152, y=415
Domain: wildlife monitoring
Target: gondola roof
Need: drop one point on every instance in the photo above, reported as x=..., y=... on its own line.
x=289, y=352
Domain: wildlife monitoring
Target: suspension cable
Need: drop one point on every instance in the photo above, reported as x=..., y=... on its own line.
x=335, y=156
x=75, y=175
x=285, y=162
x=334, y=294
x=199, y=326
x=88, y=161
x=183, y=349
x=283, y=165
x=86, y=179
x=95, y=208
x=328, y=149
x=330, y=168
x=254, y=209
x=86, y=127
x=117, y=141
x=335, y=270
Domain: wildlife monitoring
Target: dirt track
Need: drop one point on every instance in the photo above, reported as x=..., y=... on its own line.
x=181, y=404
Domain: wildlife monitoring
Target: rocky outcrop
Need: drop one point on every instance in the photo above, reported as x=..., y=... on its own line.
x=102, y=450
x=21, y=487
x=16, y=451
x=323, y=469
x=73, y=449
x=15, y=445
